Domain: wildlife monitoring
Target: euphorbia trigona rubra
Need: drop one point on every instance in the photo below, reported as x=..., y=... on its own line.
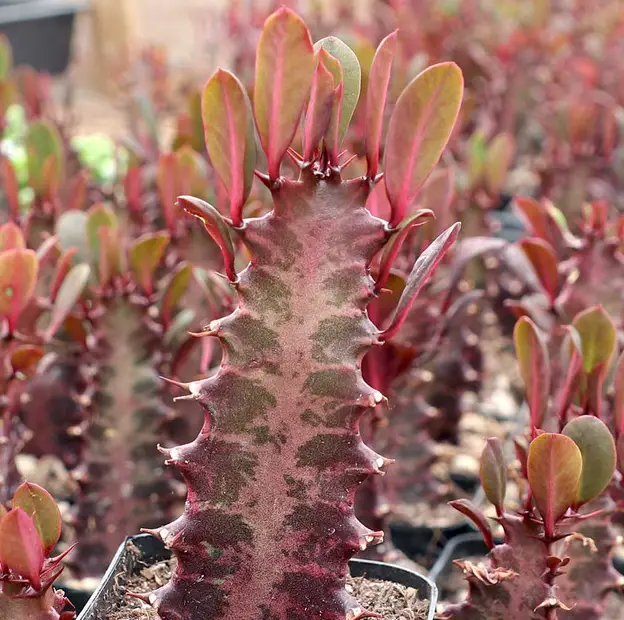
x=269, y=525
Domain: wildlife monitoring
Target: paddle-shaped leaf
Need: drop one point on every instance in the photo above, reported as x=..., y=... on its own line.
x=10, y=186
x=11, y=237
x=18, y=276
x=6, y=57
x=144, y=256
x=229, y=135
x=174, y=289
x=437, y=194
x=102, y=235
x=71, y=232
x=493, y=473
x=395, y=243
x=21, y=549
x=534, y=367
x=351, y=81
x=545, y=263
x=498, y=159
x=68, y=294
x=376, y=96
x=215, y=226
x=466, y=507
x=318, y=112
x=285, y=65
x=597, y=447
x=572, y=365
x=533, y=215
x=38, y=504
x=423, y=268
x=598, y=338
x=554, y=470
x=46, y=162
x=420, y=126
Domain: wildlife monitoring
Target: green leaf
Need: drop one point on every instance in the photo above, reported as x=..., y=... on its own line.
x=493, y=473
x=597, y=447
x=144, y=257
x=498, y=159
x=534, y=367
x=554, y=471
x=6, y=58
x=421, y=125
x=175, y=288
x=285, y=66
x=351, y=79
x=598, y=338
x=229, y=135
x=46, y=161
x=102, y=220
x=38, y=504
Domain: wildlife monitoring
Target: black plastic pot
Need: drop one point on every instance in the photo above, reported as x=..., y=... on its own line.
x=458, y=548
x=40, y=32
x=153, y=551
x=423, y=543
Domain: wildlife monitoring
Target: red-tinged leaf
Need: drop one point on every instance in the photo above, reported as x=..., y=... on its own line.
x=10, y=186
x=498, y=159
x=62, y=269
x=437, y=194
x=420, y=126
x=76, y=330
x=102, y=226
x=466, y=507
x=554, y=470
x=133, y=188
x=70, y=291
x=572, y=365
x=332, y=133
x=11, y=237
x=167, y=181
x=18, y=276
x=545, y=263
x=229, y=136
x=37, y=503
x=534, y=217
x=144, y=257
x=192, y=172
x=376, y=96
x=395, y=243
x=174, y=290
x=318, y=112
x=608, y=131
x=534, y=367
x=424, y=267
x=3, y=512
x=25, y=358
x=493, y=473
x=597, y=447
x=78, y=188
x=215, y=226
x=377, y=202
x=46, y=160
x=285, y=65
x=618, y=384
x=21, y=549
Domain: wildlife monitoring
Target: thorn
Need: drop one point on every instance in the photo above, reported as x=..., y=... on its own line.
x=165, y=451
x=350, y=160
x=184, y=386
x=185, y=397
x=203, y=334
x=154, y=533
x=265, y=178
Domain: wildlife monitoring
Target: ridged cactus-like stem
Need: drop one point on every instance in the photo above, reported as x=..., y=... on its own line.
x=269, y=523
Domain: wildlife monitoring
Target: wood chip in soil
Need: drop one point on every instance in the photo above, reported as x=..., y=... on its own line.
x=390, y=600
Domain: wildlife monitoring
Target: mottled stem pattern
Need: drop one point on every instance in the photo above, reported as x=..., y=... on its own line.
x=269, y=524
